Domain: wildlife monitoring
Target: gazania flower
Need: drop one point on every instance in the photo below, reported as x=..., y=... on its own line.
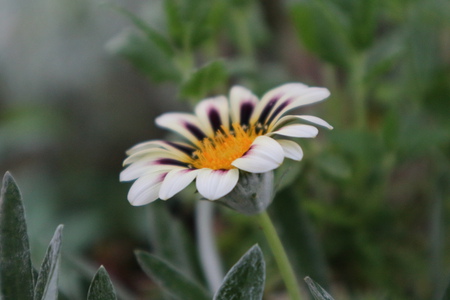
x=223, y=138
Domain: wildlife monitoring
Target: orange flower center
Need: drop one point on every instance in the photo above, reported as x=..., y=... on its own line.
x=220, y=151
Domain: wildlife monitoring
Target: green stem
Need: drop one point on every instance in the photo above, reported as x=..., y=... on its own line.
x=358, y=90
x=280, y=256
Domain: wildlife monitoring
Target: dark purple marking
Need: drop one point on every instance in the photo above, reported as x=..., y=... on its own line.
x=195, y=131
x=185, y=149
x=170, y=161
x=246, y=112
x=265, y=113
x=214, y=119
x=221, y=171
x=278, y=110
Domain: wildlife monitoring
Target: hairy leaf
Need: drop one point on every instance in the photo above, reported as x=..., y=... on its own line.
x=47, y=282
x=246, y=278
x=318, y=292
x=101, y=287
x=16, y=271
x=174, y=282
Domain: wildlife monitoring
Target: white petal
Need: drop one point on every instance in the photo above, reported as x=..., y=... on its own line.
x=311, y=119
x=302, y=98
x=214, y=184
x=186, y=125
x=291, y=149
x=265, y=154
x=277, y=96
x=175, y=181
x=146, y=189
x=212, y=113
x=152, y=154
x=176, y=147
x=144, y=166
x=316, y=120
x=297, y=130
x=242, y=103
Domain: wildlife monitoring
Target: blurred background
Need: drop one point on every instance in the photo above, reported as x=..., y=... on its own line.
x=365, y=213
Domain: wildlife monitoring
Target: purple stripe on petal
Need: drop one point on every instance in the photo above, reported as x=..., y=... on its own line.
x=214, y=119
x=170, y=161
x=278, y=110
x=246, y=111
x=265, y=113
x=195, y=131
x=185, y=149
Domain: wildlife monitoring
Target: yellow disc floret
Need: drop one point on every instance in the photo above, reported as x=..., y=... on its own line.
x=220, y=151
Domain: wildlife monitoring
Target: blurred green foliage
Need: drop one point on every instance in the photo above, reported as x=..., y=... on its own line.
x=366, y=215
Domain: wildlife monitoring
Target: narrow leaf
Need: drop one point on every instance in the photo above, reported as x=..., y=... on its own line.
x=204, y=80
x=47, y=282
x=174, y=282
x=318, y=292
x=16, y=271
x=158, y=39
x=144, y=55
x=246, y=278
x=101, y=287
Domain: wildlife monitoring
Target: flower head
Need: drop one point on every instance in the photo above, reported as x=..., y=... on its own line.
x=224, y=136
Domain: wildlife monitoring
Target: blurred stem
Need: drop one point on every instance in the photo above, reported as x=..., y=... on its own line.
x=208, y=253
x=185, y=64
x=243, y=36
x=357, y=90
x=280, y=256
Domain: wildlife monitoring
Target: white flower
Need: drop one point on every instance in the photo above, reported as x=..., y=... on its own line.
x=224, y=136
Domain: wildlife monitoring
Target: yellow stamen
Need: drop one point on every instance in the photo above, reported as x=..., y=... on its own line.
x=219, y=152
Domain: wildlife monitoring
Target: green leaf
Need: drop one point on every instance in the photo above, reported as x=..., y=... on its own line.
x=323, y=29
x=318, y=292
x=16, y=271
x=158, y=39
x=47, y=282
x=246, y=278
x=204, y=80
x=101, y=287
x=171, y=241
x=173, y=281
x=144, y=56
x=189, y=22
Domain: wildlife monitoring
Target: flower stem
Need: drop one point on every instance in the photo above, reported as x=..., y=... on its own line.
x=280, y=256
x=209, y=256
